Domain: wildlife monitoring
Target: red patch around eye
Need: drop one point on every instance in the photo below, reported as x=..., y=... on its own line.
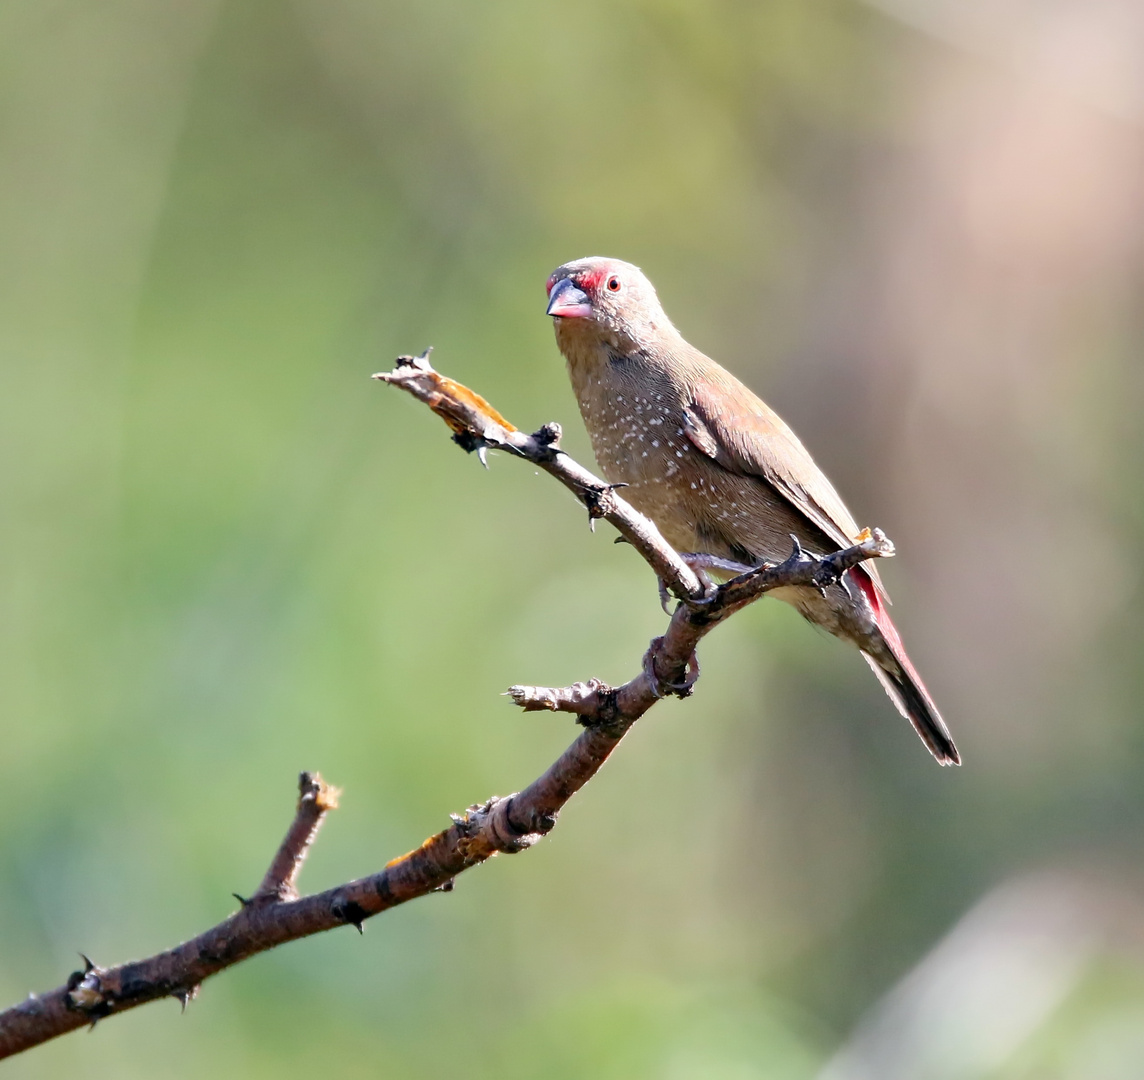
x=590, y=280
x=549, y=283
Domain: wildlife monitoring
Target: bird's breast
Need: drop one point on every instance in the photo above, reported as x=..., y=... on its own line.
x=639, y=439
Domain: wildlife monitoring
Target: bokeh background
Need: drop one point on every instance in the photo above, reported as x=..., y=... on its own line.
x=915, y=226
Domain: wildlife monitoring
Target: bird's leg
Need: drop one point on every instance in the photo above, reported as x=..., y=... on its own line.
x=700, y=562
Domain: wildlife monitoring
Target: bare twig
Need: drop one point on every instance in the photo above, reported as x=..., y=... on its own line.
x=477, y=426
x=276, y=914
x=315, y=799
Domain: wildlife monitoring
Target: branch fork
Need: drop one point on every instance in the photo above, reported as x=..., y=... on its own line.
x=316, y=798
x=276, y=913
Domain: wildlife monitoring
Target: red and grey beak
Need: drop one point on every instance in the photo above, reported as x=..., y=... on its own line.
x=567, y=301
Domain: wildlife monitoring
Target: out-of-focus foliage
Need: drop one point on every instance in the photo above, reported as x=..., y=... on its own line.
x=914, y=227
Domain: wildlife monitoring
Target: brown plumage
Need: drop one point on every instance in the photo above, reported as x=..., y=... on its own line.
x=714, y=467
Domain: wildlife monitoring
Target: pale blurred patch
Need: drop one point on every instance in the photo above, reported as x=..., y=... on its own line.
x=1010, y=986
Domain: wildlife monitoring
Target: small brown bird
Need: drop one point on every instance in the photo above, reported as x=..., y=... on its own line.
x=723, y=478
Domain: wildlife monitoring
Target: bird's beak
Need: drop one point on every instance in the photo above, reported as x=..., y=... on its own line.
x=567, y=301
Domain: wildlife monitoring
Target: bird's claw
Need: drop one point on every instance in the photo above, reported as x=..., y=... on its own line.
x=659, y=687
x=700, y=562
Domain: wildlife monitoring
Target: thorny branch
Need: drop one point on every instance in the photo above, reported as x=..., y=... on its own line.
x=276, y=914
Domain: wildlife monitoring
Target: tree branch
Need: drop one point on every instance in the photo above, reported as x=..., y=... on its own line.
x=315, y=799
x=275, y=914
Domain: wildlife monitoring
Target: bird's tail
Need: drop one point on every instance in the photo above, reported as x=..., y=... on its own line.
x=904, y=685
x=909, y=693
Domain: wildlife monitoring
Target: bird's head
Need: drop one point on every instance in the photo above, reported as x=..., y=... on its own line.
x=606, y=300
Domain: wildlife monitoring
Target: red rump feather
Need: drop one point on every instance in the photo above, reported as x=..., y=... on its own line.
x=904, y=686
x=881, y=616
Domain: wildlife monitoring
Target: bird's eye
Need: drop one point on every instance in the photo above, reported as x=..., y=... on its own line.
x=613, y=284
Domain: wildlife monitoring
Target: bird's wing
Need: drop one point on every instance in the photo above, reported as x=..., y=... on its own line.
x=736, y=429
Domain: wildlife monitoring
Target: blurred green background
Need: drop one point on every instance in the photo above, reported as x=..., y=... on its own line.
x=915, y=227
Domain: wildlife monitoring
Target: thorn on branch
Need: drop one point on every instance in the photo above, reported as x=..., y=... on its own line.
x=475, y=424
x=547, y=439
x=549, y=435
x=243, y=900
x=85, y=992
x=502, y=824
x=471, y=442
x=799, y=569
x=798, y=559
x=418, y=363
x=185, y=995
x=350, y=912
x=600, y=502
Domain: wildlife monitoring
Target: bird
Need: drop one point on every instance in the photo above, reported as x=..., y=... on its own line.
x=725, y=480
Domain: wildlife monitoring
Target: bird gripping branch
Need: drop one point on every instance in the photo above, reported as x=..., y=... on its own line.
x=715, y=468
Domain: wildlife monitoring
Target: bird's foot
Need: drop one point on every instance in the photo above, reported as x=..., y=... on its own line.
x=701, y=562
x=660, y=687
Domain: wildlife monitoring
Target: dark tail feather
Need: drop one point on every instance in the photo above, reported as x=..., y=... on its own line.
x=901, y=682
x=908, y=692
